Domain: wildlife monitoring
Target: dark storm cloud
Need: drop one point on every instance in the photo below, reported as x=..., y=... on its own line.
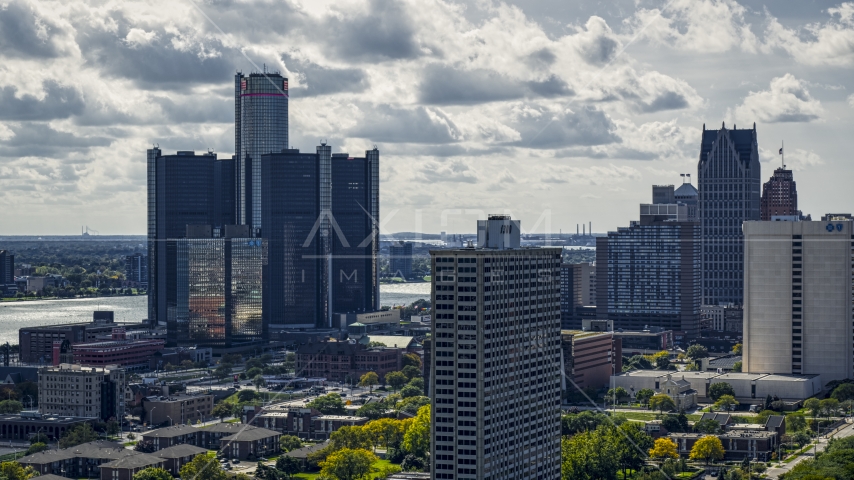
x=40, y=140
x=399, y=125
x=59, y=102
x=23, y=35
x=666, y=101
x=444, y=85
x=585, y=127
x=191, y=110
x=158, y=64
x=384, y=32
x=321, y=80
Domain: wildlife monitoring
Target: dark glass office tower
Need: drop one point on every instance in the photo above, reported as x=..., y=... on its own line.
x=355, y=239
x=7, y=268
x=729, y=194
x=180, y=192
x=400, y=259
x=260, y=126
x=217, y=300
x=294, y=293
x=224, y=191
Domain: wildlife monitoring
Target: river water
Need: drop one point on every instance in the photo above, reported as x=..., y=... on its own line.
x=14, y=315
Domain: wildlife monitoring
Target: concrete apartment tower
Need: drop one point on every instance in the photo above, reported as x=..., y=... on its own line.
x=495, y=379
x=729, y=194
x=798, y=307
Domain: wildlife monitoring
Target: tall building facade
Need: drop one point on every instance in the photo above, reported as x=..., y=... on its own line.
x=798, y=305
x=77, y=391
x=295, y=279
x=224, y=191
x=181, y=192
x=217, y=299
x=729, y=194
x=7, y=268
x=400, y=259
x=260, y=126
x=355, y=222
x=687, y=195
x=136, y=269
x=577, y=290
x=779, y=196
x=495, y=377
x=648, y=274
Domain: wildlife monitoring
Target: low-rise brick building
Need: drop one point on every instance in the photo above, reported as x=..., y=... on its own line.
x=126, y=467
x=740, y=441
x=305, y=423
x=346, y=362
x=171, y=436
x=177, y=409
x=177, y=456
x=81, y=461
x=250, y=443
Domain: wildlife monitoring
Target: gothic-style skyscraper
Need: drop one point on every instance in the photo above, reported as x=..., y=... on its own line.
x=779, y=195
x=260, y=126
x=729, y=194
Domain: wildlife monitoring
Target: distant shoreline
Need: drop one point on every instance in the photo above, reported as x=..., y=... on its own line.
x=37, y=299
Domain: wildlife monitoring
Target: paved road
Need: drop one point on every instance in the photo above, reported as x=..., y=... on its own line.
x=845, y=431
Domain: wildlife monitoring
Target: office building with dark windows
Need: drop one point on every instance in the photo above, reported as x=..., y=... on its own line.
x=217, y=301
x=648, y=274
x=260, y=126
x=181, y=192
x=224, y=191
x=355, y=239
x=779, y=196
x=400, y=259
x=577, y=294
x=798, y=304
x=136, y=269
x=7, y=274
x=295, y=278
x=495, y=373
x=729, y=194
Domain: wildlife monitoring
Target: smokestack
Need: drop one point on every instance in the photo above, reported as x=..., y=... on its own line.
x=591, y=228
x=584, y=229
x=577, y=229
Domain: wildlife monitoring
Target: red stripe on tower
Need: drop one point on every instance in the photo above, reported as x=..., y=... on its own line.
x=285, y=85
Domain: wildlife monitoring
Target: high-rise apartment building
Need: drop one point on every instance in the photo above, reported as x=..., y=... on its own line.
x=136, y=269
x=7, y=268
x=260, y=126
x=296, y=276
x=400, y=259
x=181, y=191
x=779, y=196
x=355, y=241
x=648, y=274
x=216, y=301
x=495, y=377
x=577, y=290
x=729, y=194
x=76, y=391
x=798, y=305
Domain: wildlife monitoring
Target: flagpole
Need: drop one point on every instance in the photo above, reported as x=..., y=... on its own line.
x=783, y=149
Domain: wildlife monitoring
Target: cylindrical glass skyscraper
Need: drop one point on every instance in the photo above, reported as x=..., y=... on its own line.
x=260, y=126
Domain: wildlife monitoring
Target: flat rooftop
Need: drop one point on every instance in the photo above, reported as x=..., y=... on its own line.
x=788, y=378
x=740, y=376
x=663, y=373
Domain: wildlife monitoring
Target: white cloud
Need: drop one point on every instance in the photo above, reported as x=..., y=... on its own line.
x=851, y=100
x=788, y=100
x=797, y=159
x=138, y=36
x=829, y=43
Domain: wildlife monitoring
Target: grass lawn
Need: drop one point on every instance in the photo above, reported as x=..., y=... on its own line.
x=646, y=416
x=798, y=453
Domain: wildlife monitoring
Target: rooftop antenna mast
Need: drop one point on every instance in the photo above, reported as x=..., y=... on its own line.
x=783, y=155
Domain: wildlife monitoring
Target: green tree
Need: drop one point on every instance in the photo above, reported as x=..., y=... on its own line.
x=644, y=395
x=707, y=426
x=11, y=406
x=590, y=455
x=411, y=391
x=662, y=403
x=372, y=410
x=36, y=447
x=617, y=394
x=289, y=442
x=843, y=392
x=348, y=464
x=395, y=380
x=259, y=381
x=83, y=433
x=411, y=372
x=795, y=422
x=631, y=441
x=39, y=438
x=717, y=390
x=726, y=402
x=662, y=362
x=736, y=367
x=246, y=396
x=329, y=404
x=203, y=467
x=352, y=437
x=676, y=423
x=813, y=405
x=222, y=410
x=417, y=438
x=290, y=466
x=370, y=380
x=829, y=407
x=411, y=405
x=697, y=351
x=707, y=448
x=412, y=359
x=152, y=473
x=223, y=371
x=16, y=471
x=253, y=372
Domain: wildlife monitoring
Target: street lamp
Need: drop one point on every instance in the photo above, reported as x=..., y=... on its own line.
x=201, y=417
x=151, y=413
x=170, y=420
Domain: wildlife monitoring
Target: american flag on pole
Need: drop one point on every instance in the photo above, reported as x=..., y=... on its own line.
x=781, y=150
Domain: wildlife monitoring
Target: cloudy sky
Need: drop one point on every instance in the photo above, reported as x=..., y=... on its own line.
x=558, y=112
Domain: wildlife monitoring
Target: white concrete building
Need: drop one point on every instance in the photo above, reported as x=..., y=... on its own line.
x=798, y=281
x=77, y=391
x=496, y=382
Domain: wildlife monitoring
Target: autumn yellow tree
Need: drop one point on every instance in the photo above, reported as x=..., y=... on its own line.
x=348, y=464
x=370, y=380
x=663, y=448
x=707, y=448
